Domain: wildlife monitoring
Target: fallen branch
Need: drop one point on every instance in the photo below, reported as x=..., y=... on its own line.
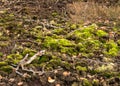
x=23, y=62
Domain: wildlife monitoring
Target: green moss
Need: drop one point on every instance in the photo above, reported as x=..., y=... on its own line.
x=111, y=44
x=112, y=48
x=95, y=82
x=14, y=58
x=59, y=31
x=38, y=27
x=105, y=68
x=66, y=65
x=87, y=83
x=50, y=43
x=80, y=68
x=101, y=33
x=54, y=14
x=3, y=44
x=31, y=52
x=73, y=26
x=55, y=44
x=113, y=52
x=2, y=38
x=90, y=28
x=80, y=34
x=36, y=32
x=3, y=63
x=1, y=54
x=118, y=42
x=55, y=62
x=109, y=74
x=65, y=42
x=7, y=69
x=43, y=59
x=68, y=50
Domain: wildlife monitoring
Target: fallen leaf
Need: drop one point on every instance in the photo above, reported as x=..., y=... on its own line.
x=66, y=73
x=20, y=83
x=50, y=80
x=11, y=79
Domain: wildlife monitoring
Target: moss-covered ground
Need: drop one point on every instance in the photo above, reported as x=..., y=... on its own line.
x=87, y=55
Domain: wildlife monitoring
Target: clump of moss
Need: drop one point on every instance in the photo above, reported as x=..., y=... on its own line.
x=59, y=31
x=80, y=68
x=36, y=32
x=73, y=26
x=3, y=44
x=105, y=68
x=66, y=65
x=101, y=33
x=29, y=51
x=57, y=44
x=87, y=83
x=112, y=48
x=1, y=54
x=7, y=69
x=118, y=42
x=3, y=63
x=95, y=82
x=14, y=58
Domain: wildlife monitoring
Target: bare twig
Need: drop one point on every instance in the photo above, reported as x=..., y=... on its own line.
x=23, y=62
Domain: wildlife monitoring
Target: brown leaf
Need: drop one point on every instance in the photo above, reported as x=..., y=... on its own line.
x=66, y=73
x=11, y=79
x=20, y=83
x=50, y=80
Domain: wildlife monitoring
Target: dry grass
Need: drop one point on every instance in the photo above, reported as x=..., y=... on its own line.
x=82, y=11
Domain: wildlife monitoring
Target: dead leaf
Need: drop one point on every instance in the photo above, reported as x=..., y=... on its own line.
x=66, y=73
x=20, y=83
x=50, y=80
x=11, y=79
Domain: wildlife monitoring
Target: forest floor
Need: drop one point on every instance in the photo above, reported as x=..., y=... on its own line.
x=76, y=51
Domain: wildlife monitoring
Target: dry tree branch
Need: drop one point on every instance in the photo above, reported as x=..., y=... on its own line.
x=23, y=62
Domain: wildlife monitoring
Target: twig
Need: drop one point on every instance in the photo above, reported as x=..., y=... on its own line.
x=40, y=53
x=23, y=62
